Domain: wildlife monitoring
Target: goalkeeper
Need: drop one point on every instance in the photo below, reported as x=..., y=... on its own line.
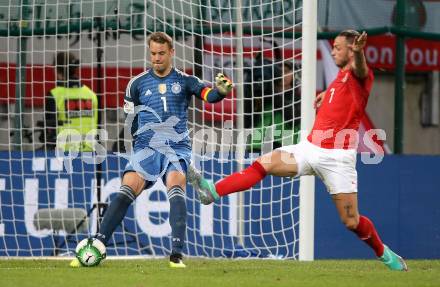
x=157, y=102
x=327, y=152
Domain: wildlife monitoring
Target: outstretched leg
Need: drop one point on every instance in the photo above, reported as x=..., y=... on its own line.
x=279, y=163
x=347, y=206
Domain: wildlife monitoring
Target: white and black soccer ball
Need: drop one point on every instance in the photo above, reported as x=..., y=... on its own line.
x=90, y=252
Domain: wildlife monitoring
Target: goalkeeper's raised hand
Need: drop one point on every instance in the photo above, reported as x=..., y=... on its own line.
x=223, y=84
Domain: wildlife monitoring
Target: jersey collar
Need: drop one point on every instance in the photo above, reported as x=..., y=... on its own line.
x=164, y=77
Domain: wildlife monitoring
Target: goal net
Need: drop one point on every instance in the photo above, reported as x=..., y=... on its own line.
x=51, y=198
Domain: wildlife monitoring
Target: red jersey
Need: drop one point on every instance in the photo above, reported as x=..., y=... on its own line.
x=338, y=118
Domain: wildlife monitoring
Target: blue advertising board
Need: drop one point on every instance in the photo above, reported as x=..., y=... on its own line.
x=400, y=195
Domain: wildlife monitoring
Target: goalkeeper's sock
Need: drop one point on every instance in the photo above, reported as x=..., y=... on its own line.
x=242, y=180
x=115, y=213
x=176, y=197
x=368, y=234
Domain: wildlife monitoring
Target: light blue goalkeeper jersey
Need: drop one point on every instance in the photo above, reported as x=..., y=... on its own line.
x=156, y=100
x=159, y=127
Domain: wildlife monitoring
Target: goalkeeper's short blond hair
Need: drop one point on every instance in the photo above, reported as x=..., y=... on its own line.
x=161, y=38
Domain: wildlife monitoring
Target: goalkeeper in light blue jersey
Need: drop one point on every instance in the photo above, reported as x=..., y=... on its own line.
x=156, y=103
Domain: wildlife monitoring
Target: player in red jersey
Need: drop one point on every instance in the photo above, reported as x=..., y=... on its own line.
x=329, y=151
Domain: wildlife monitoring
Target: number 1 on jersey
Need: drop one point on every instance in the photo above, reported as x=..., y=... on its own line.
x=164, y=100
x=332, y=92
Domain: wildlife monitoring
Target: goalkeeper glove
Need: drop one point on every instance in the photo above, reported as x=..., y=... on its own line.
x=223, y=84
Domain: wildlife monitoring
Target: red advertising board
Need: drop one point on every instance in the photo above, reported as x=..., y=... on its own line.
x=421, y=55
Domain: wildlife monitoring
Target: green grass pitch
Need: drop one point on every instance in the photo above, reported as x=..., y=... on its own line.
x=212, y=273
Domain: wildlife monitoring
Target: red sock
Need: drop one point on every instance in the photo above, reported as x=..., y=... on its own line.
x=368, y=234
x=242, y=180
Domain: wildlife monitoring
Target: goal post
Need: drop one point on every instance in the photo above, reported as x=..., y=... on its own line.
x=308, y=91
x=241, y=140
x=46, y=200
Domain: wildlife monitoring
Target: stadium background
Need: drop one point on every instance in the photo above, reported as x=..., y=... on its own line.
x=401, y=194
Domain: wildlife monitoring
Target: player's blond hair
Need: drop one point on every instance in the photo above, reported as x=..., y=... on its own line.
x=161, y=38
x=349, y=35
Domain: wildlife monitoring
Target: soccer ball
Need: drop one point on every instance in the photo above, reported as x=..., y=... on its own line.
x=90, y=252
